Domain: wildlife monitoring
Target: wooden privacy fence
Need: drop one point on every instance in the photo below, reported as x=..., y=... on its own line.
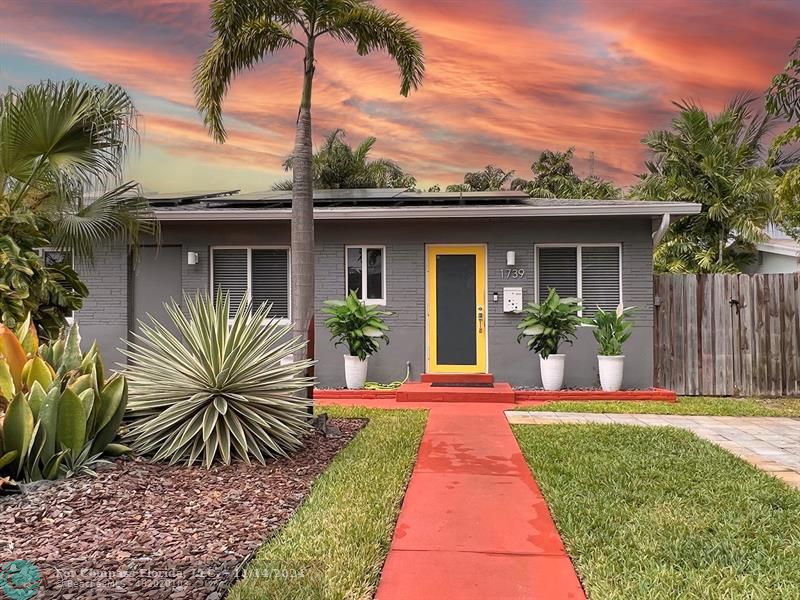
x=728, y=335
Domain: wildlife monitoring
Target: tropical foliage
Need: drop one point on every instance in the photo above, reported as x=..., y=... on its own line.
x=490, y=179
x=719, y=162
x=783, y=100
x=62, y=414
x=612, y=329
x=555, y=177
x=245, y=32
x=59, y=144
x=547, y=325
x=215, y=391
x=357, y=325
x=337, y=165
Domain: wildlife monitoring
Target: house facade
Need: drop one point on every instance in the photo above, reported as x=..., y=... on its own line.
x=778, y=253
x=452, y=268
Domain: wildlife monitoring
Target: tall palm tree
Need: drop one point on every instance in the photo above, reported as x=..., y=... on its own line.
x=336, y=165
x=248, y=30
x=718, y=161
x=783, y=100
x=62, y=149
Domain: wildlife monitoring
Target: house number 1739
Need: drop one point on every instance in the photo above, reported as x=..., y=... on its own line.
x=512, y=273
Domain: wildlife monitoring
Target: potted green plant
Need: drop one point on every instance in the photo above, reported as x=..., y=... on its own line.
x=612, y=330
x=546, y=326
x=360, y=327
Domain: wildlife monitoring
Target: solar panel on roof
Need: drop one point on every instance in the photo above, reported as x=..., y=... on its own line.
x=387, y=197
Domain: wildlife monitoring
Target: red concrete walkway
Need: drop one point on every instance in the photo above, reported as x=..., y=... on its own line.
x=474, y=524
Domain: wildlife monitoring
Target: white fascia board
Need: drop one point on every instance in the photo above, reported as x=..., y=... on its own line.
x=781, y=249
x=675, y=209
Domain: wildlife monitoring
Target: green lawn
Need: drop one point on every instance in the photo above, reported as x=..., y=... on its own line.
x=335, y=546
x=656, y=513
x=686, y=405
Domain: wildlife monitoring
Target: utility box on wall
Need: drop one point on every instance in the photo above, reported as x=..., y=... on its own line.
x=512, y=299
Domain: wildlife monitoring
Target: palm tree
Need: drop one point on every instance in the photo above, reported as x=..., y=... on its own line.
x=719, y=162
x=489, y=179
x=336, y=165
x=61, y=144
x=555, y=177
x=783, y=100
x=248, y=30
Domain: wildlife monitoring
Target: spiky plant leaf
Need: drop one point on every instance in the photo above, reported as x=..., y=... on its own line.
x=216, y=390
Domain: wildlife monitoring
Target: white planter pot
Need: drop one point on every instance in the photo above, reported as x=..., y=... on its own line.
x=610, y=368
x=552, y=369
x=355, y=372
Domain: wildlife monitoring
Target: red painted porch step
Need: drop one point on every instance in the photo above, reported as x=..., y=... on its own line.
x=457, y=378
x=425, y=392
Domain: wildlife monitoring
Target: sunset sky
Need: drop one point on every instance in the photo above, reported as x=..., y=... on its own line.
x=505, y=79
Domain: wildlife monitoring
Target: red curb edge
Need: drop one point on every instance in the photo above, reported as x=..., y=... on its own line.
x=522, y=396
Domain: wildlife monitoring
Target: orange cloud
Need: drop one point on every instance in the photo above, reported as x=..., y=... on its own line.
x=504, y=79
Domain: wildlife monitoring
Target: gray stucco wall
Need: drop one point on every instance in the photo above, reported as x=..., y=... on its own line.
x=405, y=282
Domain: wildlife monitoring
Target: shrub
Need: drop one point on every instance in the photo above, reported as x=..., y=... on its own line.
x=357, y=325
x=612, y=329
x=549, y=324
x=218, y=390
x=63, y=415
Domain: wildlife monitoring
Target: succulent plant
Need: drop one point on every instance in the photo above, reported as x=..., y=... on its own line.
x=62, y=415
x=217, y=390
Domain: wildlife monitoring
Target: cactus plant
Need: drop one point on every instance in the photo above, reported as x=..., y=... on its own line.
x=62, y=414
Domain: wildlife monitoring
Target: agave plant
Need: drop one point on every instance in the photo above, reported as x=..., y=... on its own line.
x=63, y=415
x=216, y=390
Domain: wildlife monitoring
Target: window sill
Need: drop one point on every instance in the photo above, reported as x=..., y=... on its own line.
x=375, y=302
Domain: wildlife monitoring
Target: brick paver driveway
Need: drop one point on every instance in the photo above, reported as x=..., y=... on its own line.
x=769, y=443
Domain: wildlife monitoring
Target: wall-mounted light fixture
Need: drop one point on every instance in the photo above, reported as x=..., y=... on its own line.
x=192, y=258
x=511, y=258
x=495, y=297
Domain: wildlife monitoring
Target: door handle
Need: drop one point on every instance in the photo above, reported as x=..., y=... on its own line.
x=480, y=319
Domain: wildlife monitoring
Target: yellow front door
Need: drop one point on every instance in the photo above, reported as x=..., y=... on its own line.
x=456, y=309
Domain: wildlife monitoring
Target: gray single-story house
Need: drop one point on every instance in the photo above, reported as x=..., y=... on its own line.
x=453, y=268
x=778, y=253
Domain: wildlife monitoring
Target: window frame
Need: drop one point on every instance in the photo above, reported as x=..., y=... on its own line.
x=42, y=252
x=579, y=265
x=249, y=274
x=364, y=247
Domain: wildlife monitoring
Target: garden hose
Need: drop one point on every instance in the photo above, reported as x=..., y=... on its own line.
x=373, y=385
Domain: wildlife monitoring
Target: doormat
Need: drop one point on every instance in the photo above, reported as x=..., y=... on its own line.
x=462, y=384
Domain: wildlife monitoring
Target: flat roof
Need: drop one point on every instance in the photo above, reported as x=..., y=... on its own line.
x=360, y=204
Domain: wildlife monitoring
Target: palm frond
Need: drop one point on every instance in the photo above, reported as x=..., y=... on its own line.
x=119, y=214
x=372, y=29
x=256, y=36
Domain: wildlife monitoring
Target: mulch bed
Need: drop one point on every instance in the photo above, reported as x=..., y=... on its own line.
x=147, y=530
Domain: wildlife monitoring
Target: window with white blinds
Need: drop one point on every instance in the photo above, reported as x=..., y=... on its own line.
x=589, y=272
x=260, y=274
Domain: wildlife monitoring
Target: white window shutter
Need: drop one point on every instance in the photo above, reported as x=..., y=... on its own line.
x=270, y=280
x=558, y=268
x=230, y=274
x=600, y=278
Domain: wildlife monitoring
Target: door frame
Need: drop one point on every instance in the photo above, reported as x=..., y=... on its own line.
x=430, y=332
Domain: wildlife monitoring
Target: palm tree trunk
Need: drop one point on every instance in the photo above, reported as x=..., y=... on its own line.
x=302, y=240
